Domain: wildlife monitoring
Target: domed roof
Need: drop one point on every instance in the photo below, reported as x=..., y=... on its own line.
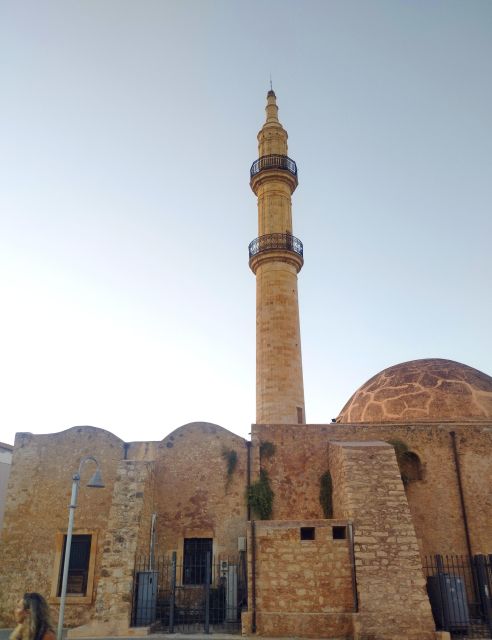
x=421, y=390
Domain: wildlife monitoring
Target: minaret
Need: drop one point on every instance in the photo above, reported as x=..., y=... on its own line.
x=276, y=257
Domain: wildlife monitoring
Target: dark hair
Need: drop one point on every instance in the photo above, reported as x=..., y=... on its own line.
x=40, y=621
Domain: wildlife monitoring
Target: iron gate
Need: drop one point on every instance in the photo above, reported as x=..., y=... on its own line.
x=460, y=593
x=191, y=594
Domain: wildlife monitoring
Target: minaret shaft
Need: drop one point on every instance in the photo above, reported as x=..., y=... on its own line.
x=274, y=208
x=279, y=382
x=276, y=258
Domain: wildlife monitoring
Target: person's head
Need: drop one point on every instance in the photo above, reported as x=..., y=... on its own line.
x=33, y=611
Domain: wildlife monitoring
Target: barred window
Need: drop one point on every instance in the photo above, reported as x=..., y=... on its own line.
x=197, y=551
x=78, y=568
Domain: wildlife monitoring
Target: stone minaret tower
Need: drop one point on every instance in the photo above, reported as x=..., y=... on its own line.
x=276, y=257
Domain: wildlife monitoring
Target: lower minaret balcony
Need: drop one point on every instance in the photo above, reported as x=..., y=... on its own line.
x=276, y=246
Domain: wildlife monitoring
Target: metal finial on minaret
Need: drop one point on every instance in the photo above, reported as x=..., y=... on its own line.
x=276, y=257
x=271, y=85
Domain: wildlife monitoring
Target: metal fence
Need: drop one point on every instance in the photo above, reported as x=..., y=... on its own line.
x=191, y=594
x=460, y=593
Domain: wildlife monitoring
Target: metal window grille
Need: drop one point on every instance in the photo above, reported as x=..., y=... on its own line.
x=78, y=568
x=197, y=555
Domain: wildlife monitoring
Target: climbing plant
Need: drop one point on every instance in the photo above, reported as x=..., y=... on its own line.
x=326, y=494
x=230, y=456
x=267, y=449
x=260, y=496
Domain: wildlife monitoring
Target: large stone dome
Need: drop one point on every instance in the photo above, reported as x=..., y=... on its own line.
x=421, y=390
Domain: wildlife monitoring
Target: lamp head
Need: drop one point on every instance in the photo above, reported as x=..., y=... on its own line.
x=96, y=482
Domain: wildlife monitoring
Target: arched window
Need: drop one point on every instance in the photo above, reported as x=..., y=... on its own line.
x=410, y=467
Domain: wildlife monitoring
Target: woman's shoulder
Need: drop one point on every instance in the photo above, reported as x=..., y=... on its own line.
x=49, y=635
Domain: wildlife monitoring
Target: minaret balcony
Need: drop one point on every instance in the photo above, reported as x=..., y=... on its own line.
x=285, y=241
x=279, y=246
x=273, y=165
x=273, y=161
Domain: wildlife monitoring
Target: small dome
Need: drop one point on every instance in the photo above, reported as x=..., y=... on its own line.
x=421, y=390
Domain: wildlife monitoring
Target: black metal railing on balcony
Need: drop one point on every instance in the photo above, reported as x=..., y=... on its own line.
x=284, y=241
x=273, y=161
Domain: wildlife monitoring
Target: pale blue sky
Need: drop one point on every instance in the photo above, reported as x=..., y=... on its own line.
x=128, y=129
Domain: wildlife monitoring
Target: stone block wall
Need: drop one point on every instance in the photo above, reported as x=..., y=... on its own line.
x=279, y=382
x=302, y=587
x=146, y=508
x=194, y=495
x=393, y=602
x=301, y=458
x=36, y=512
x=188, y=487
x=127, y=519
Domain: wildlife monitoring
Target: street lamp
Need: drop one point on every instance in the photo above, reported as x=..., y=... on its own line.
x=95, y=482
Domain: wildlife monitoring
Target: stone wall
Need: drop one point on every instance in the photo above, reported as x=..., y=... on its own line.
x=301, y=457
x=194, y=495
x=186, y=484
x=37, y=510
x=303, y=587
x=127, y=520
x=392, y=599
x=279, y=382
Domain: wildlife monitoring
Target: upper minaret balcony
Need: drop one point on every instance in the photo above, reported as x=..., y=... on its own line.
x=273, y=162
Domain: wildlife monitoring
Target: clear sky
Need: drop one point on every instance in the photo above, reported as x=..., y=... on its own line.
x=127, y=131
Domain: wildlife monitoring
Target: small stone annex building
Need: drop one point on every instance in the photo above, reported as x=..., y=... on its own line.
x=351, y=529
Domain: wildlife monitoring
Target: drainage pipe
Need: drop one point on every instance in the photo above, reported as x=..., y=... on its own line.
x=460, y=488
x=253, y=576
x=248, y=477
x=355, y=596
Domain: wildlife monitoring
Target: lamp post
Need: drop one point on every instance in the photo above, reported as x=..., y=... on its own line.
x=96, y=482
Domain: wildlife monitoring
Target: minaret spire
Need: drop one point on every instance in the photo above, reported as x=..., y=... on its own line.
x=276, y=257
x=271, y=108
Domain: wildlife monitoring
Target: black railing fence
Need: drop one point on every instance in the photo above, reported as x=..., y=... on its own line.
x=460, y=593
x=285, y=241
x=273, y=161
x=191, y=594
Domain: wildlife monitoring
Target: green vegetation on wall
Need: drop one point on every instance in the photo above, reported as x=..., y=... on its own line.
x=230, y=456
x=267, y=450
x=326, y=494
x=260, y=496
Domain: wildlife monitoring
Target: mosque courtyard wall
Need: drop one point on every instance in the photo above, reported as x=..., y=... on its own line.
x=36, y=514
x=187, y=480
x=301, y=457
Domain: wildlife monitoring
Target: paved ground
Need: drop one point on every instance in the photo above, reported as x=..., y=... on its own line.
x=4, y=634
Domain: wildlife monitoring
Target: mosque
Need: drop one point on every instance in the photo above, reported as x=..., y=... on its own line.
x=375, y=526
